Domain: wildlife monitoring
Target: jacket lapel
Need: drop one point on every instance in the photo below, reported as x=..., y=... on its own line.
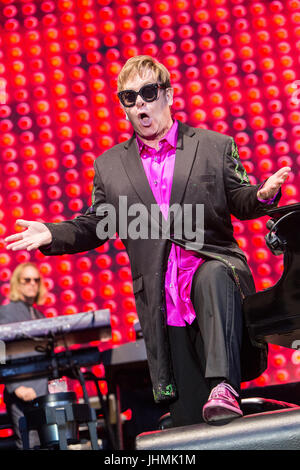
x=133, y=166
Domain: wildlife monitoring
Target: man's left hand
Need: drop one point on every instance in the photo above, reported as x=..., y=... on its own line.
x=272, y=185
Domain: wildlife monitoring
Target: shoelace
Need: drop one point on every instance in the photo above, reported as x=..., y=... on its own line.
x=219, y=390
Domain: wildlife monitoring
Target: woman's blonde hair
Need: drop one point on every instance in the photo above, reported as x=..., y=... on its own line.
x=14, y=293
x=140, y=65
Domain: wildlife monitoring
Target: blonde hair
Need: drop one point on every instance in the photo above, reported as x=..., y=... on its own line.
x=140, y=65
x=14, y=293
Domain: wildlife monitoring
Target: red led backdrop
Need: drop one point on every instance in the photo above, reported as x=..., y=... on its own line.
x=234, y=67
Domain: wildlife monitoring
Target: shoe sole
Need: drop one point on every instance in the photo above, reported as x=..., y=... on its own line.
x=214, y=413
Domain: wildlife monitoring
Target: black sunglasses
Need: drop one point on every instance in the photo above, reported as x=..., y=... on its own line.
x=147, y=92
x=27, y=280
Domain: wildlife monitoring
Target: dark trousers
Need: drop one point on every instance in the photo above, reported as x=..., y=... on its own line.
x=208, y=350
x=15, y=410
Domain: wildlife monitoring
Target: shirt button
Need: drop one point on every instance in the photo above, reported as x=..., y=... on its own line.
x=155, y=182
x=171, y=285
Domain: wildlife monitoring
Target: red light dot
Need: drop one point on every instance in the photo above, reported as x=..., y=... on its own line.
x=37, y=210
x=68, y=296
x=126, y=288
x=5, y=274
x=17, y=212
x=10, y=11
x=4, y=259
x=32, y=180
x=290, y=190
x=88, y=294
x=12, y=25
x=84, y=263
x=66, y=281
x=73, y=190
x=86, y=144
x=69, y=161
x=242, y=242
x=70, y=310
x=264, y=283
x=122, y=258
x=105, y=276
x=103, y=387
x=261, y=254
x=76, y=205
x=54, y=192
x=110, y=305
x=12, y=183
x=116, y=337
x=130, y=334
x=265, y=165
x=15, y=197
x=103, y=261
x=11, y=168
x=263, y=380
x=258, y=241
x=86, y=279
x=107, y=27
x=128, y=303
x=282, y=376
x=110, y=41
x=107, y=291
x=22, y=257
x=131, y=318
x=5, y=288
x=279, y=360
x=71, y=175
x=46, y=134
x=26, y=137
x=67, y=146
x=284, y=161
x=56, y=207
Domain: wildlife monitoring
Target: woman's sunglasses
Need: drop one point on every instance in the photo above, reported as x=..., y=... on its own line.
x=27, y=280
x=147, y=92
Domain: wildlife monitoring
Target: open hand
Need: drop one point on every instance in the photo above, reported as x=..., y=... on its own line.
x=36, y=235
x=272, y=185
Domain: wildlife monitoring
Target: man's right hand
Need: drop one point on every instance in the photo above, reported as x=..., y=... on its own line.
x=36, y=235
x=25, y=393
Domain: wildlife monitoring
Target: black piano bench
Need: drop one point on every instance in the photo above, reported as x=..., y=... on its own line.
x=271, y=430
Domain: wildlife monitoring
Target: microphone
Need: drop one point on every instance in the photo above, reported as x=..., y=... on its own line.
x=273, y=241
x=270, y=224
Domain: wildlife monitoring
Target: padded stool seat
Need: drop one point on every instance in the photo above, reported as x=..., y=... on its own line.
x=272, y=430
x=260, y=405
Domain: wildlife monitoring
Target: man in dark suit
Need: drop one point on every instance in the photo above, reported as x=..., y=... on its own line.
x=169, y=193
x=26, y=289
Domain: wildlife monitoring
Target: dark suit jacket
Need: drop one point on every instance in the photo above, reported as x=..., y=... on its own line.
x=17, y=312
x=207, y=171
